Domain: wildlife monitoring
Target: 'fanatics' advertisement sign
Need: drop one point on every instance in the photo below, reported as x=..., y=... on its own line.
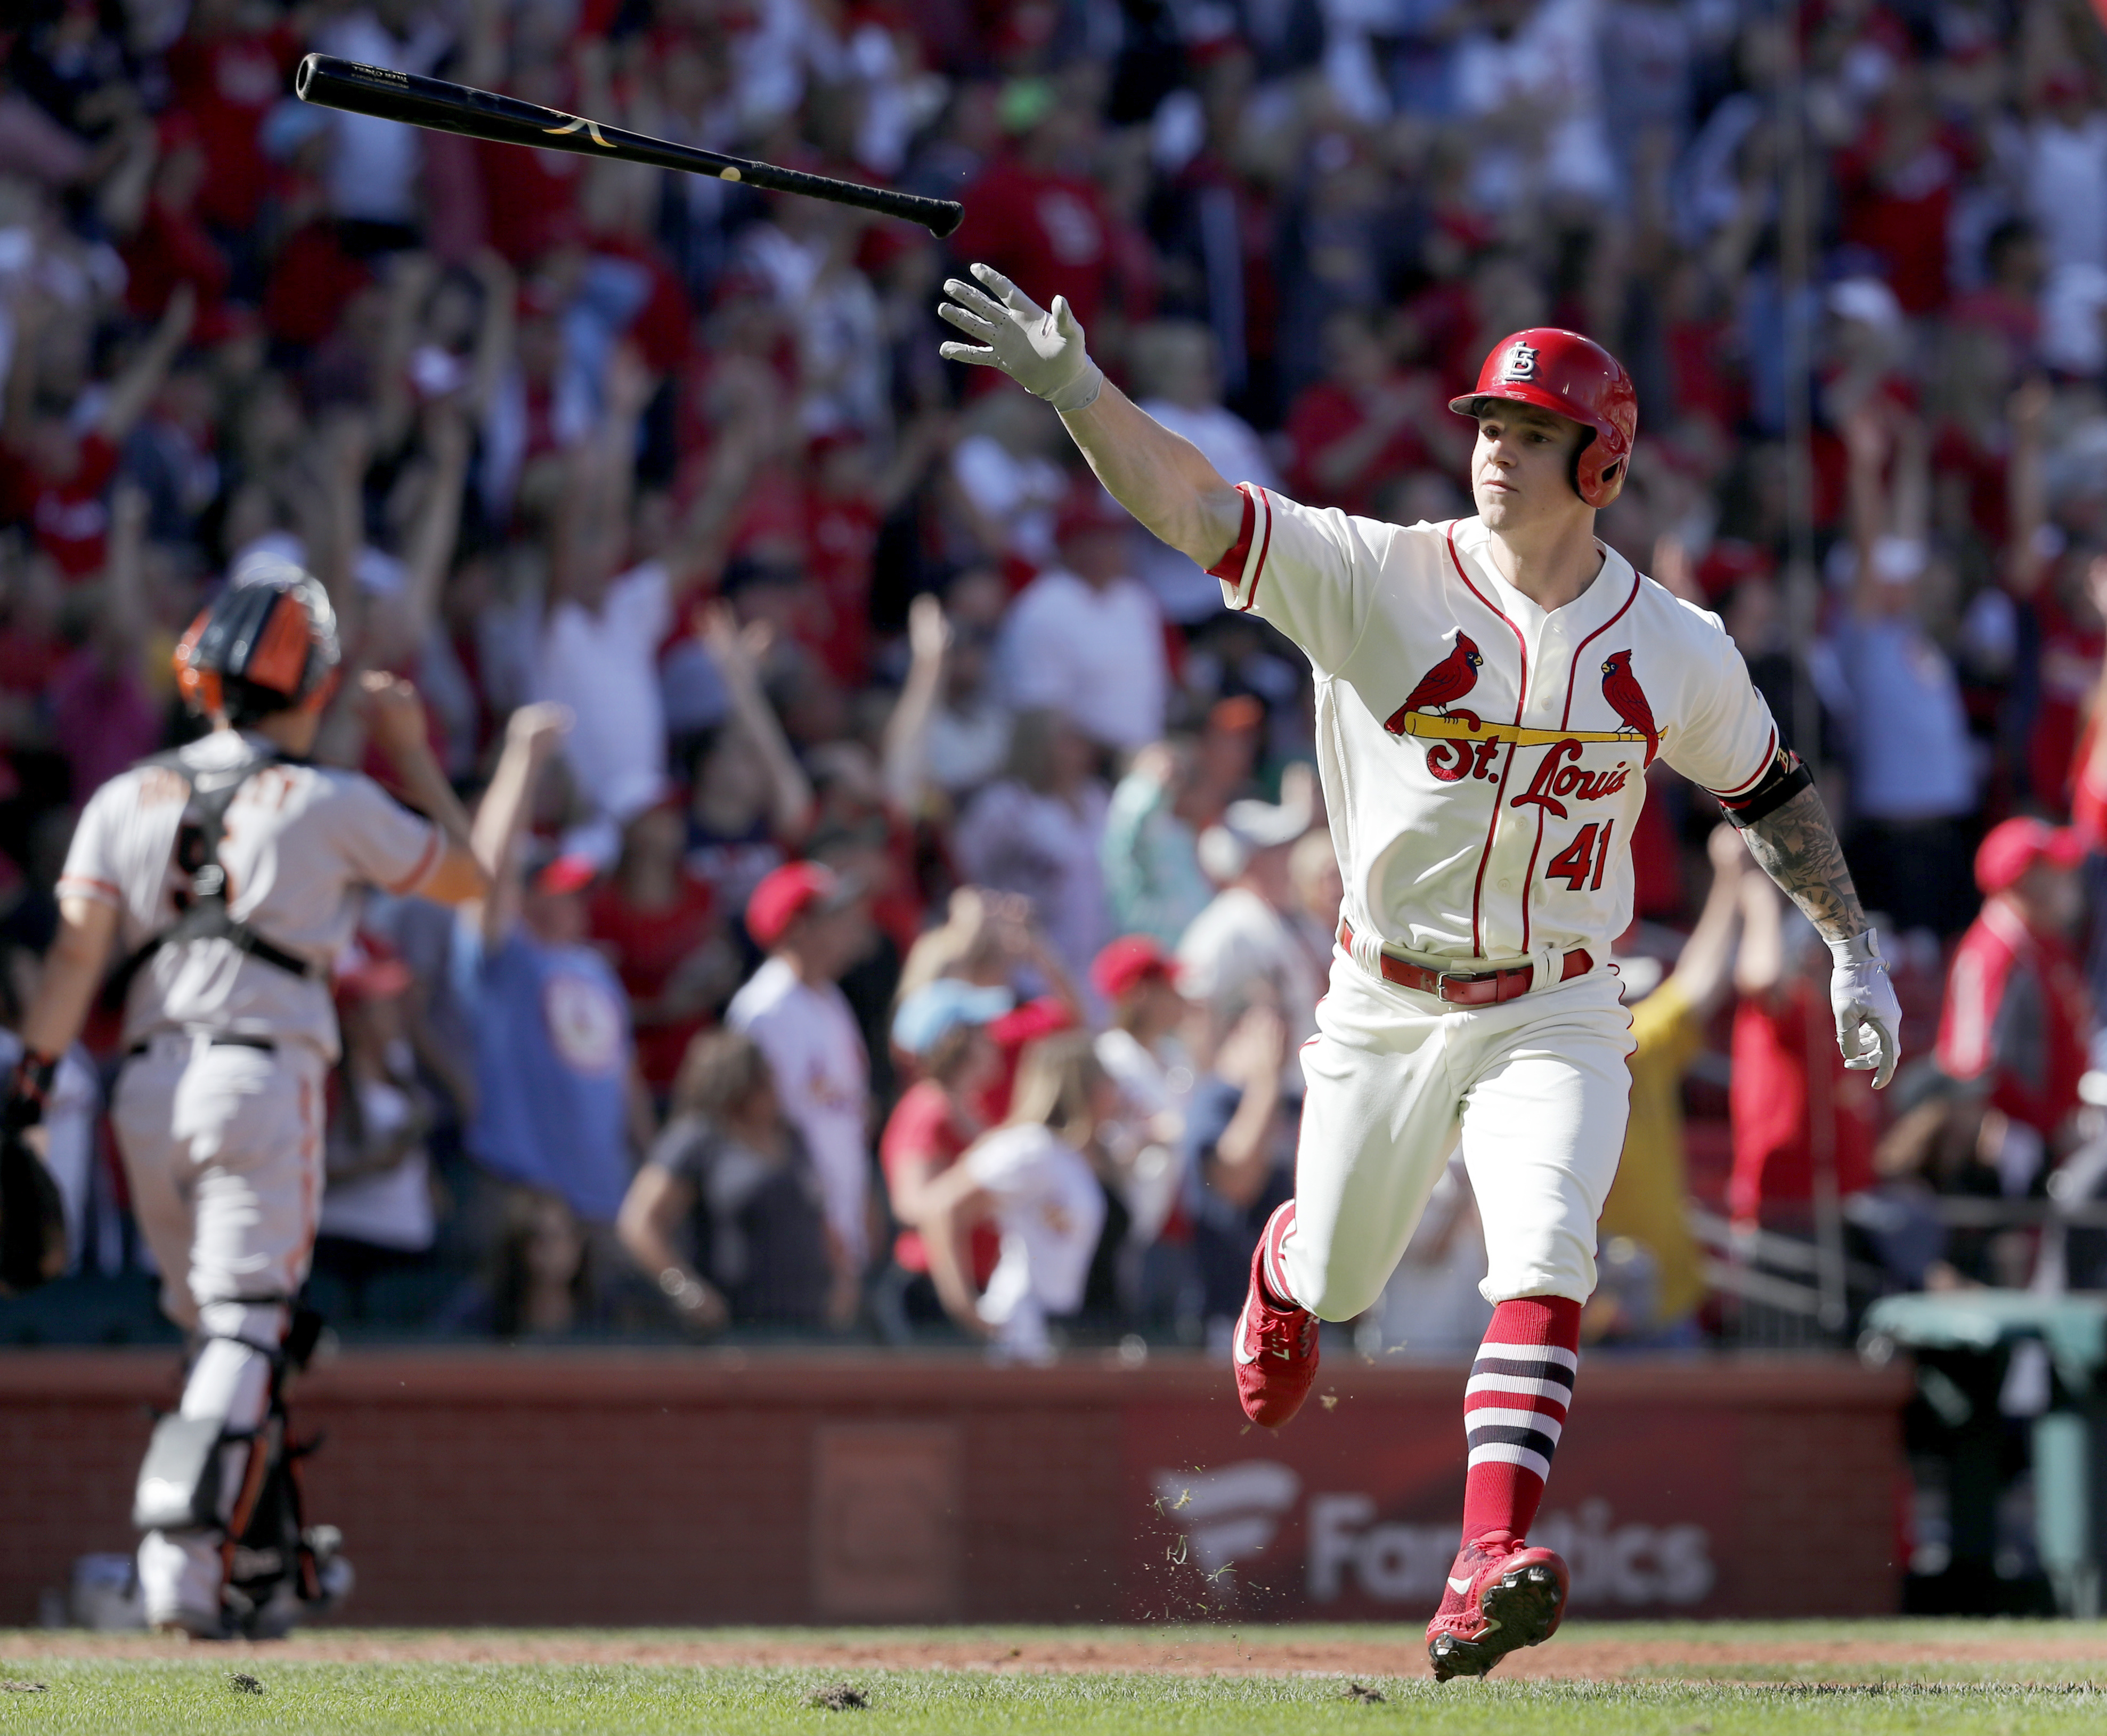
x=1352, y=1512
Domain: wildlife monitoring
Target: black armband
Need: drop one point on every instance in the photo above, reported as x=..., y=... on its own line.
x=1787, y=776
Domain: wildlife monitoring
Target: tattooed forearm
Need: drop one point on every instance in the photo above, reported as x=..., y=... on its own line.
x=1797, y=846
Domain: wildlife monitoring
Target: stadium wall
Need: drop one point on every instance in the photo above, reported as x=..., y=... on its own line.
x=620, y=1487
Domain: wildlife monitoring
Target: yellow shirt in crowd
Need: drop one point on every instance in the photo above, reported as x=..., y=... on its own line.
x=1645, y=1201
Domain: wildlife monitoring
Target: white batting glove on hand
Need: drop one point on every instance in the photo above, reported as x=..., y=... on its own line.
x=1043, y=351
x=1869, y=1018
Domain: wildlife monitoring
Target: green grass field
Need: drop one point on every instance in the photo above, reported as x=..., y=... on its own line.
x=1673, y=1680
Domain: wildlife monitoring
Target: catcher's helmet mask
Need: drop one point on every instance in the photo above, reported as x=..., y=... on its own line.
x=1568, y=375
x=267, y=642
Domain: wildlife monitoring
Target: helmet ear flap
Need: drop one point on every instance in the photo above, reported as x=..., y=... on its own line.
x=280, y=655
x=1597, y=482
x=324, y=690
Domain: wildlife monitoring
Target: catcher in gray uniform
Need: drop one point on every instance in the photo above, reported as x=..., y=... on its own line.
x=220, y=881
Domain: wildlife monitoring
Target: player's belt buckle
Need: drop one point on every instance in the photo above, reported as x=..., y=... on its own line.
x=1490, y=989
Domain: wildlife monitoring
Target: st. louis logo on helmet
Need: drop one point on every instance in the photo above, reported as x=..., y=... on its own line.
x=1519, y=363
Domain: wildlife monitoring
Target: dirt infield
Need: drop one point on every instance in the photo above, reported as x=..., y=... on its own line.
x=1591, y=1652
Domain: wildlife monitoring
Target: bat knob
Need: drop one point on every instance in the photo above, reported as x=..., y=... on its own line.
x=300, y=78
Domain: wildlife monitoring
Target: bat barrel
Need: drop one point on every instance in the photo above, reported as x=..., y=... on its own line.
x=446, y=107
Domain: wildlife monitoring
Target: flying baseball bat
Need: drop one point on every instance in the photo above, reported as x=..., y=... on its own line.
x=505, y=120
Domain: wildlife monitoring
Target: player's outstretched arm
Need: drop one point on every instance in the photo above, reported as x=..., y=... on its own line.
x=1161, y=478
x=1796, y=845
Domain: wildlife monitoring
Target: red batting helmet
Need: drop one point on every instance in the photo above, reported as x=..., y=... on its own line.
x=1574, y=377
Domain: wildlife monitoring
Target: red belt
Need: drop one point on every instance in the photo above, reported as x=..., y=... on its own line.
x=1469, y=988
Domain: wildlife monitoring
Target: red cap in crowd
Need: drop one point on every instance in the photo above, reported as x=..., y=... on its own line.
x=788, y=893
x=566, y=872
x=2014, y=846
x=1087, y=508
x=1127, y=962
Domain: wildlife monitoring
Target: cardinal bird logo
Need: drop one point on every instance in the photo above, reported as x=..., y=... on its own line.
x=1621, y=688
x=1443, y=684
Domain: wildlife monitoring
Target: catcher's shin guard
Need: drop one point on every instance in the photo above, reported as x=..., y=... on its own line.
x=218, y=1495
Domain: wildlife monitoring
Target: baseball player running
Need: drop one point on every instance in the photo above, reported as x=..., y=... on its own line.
x=1490, y=695
x=225, y=877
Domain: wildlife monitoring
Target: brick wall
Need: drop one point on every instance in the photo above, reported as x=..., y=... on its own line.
x=620, y=1487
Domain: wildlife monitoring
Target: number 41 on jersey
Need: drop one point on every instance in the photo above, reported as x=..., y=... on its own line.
x=1580, y=864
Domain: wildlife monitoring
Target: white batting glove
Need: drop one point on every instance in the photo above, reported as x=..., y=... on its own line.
x=1043, y=351
x=1869, y=1018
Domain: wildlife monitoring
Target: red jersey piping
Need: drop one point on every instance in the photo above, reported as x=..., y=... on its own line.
x=1499, y=795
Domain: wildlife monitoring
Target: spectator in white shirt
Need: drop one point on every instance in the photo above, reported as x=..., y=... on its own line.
x=1037, y=830
x=1177, y=380
x=1030, y=1176
x=1007, y=478
x=377, y=1211
x=1143, y=1051
x=1087, y=636
x=376, y=168
x=814, y=925
x=2066, y=172
x=1912, y=764
x=1244, y=949
x=600, y=644
x=1529, y=76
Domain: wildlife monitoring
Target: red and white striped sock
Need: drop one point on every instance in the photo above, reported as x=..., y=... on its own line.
x=1514, y=1409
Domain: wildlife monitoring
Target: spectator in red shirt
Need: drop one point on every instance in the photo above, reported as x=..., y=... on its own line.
x=52, y=476
x=1774, y=1099
x=227, y=70
x=1897, y=184
x=658, y=922
x=1970, y=449
x=942, y=1030
x=311, y=275
x=1361, y=425
x=2017, y=1017
x=167, y=242
x=101, y=714
x=2009, y=302
x=1702, y=350
x=1035, y=216
x=2064, y=590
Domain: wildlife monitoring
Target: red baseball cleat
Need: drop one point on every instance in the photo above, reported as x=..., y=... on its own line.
x=1276, y=1347
x=1513, y=1596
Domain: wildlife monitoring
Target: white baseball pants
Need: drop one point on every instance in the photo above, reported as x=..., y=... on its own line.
x=1538, y=1089
x=223, y=1149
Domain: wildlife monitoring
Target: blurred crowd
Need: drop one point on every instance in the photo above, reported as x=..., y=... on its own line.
x=916, y=891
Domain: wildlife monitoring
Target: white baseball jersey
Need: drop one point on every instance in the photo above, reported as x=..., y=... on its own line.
x=1483, y=760
x=1050, y=1210
x=822, y=1079
x=301, y=843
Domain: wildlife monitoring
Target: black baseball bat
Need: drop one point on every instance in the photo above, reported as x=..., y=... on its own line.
x=446, y=107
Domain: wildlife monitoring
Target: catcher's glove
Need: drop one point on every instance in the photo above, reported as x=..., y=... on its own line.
x=33, y=1237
